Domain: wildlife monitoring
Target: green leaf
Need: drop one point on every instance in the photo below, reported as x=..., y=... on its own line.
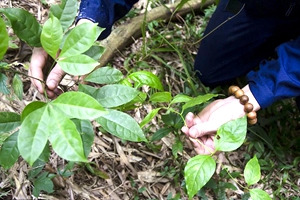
x=33, y=134
x=3, y=84
x=161, y=97
x=18, y=86
x=95, y=52
x=36, y=168
x=149, y=117
x=115, y=95
x=122, y=125
x=65, y=12
x=42, y=183
x=78, y=105
x=52, y=35
x=105, y=75
x=159, y=134
x=198, y=100
x=9, y=152
x=180, y=98
x=24, y=24
x=85, y=128
x=86, y=89
x=177, y=147
x=258, y=194
x=65, y=139
x=45, y=155
x=4, y=38
x=31, y=107
x=78, y=65
x=9, y=121
x=80, y=39
x=146, y=78
x=231, y=135
x=252, y=171
x=197, y=172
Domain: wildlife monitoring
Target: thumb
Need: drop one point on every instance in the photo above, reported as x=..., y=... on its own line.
x=202, y=129
x=54, y=78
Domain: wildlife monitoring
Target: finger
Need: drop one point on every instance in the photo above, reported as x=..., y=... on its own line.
x=185, y=130
x=208, y=146
x=191, y=119
x=202, y=129
x=54, y=78
x=37, y=63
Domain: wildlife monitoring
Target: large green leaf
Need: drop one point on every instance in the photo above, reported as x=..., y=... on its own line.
x=95, y=52
x=252, y=171
x=80, y=39
x=3, y=84
x=115, y=95
x=33, y=134
x=9, y=152
x=79, y=105
x=85, y=128
x=198, y=100
x=105, y=75
x=9, y=121
x=146, y=78
x=52, y=35
x=197, y=173
x=64, y=138
x=18, y=86
x=122, y=125
x=78, y=65
x=65, y=12
x=31, y=107
x=4, y=38
x=24, y=24
x=231, y=135
x=161, y=97
x=258, y=194
x=87, y=89
x=180, y=98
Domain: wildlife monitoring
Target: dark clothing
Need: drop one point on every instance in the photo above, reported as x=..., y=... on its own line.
x=104, y=12
x=238, y=46
x=242, y=44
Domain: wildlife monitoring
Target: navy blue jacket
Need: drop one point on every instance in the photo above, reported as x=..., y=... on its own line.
x=104, y=12
x=276, y=80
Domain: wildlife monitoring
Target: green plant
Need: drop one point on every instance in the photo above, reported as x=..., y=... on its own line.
x=201, y=168
x=65, y=123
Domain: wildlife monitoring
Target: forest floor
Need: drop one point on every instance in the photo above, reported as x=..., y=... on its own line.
x=127, y=170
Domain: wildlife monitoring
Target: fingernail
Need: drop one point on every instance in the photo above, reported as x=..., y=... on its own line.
x=51, y=84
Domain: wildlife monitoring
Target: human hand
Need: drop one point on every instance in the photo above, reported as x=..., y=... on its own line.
x=39, y=67
x=202, y=128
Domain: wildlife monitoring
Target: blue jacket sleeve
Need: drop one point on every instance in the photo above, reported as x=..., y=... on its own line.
x=104, y=12
x=277, y=79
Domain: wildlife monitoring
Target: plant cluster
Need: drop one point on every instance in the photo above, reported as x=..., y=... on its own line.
x=64, y=124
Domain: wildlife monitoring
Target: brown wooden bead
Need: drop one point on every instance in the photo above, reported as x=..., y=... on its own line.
x=251, y=115
x=248, y=107
x=238, y=93
x=232, y=89
x=252, y=121
x=244, y=99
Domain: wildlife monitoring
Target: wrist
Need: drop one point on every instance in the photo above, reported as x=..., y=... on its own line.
x=245, y=98
x=252, y=99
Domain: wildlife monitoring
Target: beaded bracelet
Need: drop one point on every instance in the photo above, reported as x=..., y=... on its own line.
x=248, y=107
